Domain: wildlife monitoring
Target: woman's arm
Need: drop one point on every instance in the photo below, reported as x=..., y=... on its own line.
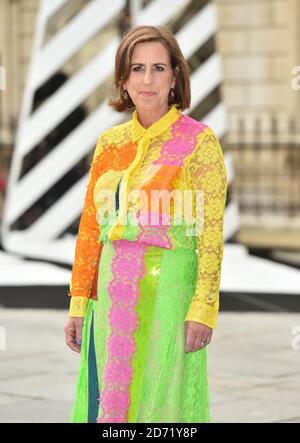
x=83, y=284
x=206, y=171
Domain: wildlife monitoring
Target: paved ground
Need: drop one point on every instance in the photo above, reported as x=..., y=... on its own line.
x=254, y=367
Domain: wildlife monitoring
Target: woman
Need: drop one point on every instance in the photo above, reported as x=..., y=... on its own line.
x=143, y=302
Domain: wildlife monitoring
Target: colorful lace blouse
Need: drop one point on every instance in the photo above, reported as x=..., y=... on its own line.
x=175, y=154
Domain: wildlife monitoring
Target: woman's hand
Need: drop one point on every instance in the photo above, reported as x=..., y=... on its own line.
x=195, y=334
x=73, y=330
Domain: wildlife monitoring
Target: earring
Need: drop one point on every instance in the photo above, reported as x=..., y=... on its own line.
x=172, y=92
x=125, y=94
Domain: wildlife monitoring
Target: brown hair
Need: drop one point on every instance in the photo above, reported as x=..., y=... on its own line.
x=138, y=34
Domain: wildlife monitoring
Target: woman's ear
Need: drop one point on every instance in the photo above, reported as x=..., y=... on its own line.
x=174, y=76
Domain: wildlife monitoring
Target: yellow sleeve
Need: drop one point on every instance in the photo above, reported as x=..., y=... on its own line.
x=88, y=247
x=78, y=306
x=206, y=171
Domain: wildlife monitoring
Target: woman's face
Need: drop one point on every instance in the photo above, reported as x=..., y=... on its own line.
x=151, y=72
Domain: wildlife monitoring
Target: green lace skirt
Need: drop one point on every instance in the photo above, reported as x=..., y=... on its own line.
x=133, y=367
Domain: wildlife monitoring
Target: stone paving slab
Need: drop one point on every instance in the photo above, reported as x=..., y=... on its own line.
x=253, y=368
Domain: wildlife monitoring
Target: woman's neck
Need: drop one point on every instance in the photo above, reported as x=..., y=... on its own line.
x=147, y=118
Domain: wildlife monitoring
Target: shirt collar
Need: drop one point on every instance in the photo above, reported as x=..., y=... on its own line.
x=159, y=126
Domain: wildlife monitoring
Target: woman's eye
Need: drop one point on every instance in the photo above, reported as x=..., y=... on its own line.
x=137, y=68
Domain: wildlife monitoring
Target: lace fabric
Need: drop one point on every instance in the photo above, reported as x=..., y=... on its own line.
x=175, y=153
x=88, y=246
x=133, y=357
x=205, y=170
x=78, y=306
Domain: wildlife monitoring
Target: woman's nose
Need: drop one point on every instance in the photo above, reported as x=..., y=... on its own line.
x=147, y=76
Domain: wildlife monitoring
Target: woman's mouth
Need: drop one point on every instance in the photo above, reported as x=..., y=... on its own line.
x=147, y=93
